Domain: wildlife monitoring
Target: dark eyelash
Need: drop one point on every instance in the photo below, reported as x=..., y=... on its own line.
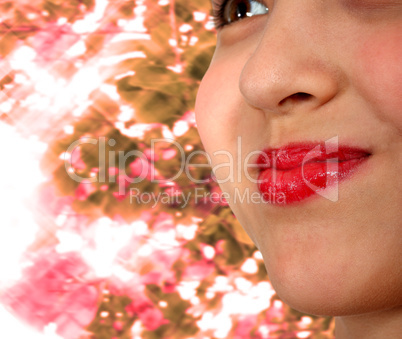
x=219, y=13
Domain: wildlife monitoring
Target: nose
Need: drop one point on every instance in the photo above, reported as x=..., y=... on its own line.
x=290, y=67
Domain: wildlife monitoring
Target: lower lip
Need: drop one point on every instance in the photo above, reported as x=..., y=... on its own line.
x=285, y=187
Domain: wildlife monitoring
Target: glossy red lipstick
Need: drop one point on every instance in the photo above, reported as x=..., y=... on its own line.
x=298, y=171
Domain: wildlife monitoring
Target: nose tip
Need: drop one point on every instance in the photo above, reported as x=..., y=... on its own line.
x=282, y=84
x=292, y=63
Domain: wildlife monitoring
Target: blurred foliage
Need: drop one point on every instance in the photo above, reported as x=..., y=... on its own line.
x=149, y=72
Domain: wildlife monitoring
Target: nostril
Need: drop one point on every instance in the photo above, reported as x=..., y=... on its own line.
x=297, y=97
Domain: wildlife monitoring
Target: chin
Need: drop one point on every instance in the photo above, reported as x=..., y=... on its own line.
x=318, y=293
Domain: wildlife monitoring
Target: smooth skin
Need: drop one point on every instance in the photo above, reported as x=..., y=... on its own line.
x=341, y=258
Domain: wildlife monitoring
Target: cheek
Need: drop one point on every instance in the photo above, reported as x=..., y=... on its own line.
x=380, y=73
x=217, y=108
x=211, y=118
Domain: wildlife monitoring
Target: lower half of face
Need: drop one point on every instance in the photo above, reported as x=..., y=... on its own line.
x=323, y=257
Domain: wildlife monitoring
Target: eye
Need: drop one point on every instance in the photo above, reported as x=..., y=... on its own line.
x=233, y=10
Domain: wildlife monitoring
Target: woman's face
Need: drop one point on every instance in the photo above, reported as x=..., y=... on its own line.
x=308, y=72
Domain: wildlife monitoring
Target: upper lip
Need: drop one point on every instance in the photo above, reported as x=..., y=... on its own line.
x=295, y=155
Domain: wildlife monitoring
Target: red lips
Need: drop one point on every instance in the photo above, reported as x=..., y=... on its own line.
x=297, y=171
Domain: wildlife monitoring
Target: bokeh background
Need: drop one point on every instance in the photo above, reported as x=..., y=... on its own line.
x=87, y=86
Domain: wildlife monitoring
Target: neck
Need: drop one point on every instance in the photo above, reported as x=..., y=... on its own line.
x=378, y=325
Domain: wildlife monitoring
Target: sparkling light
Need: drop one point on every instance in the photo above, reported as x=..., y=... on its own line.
x=77, y=49
x=257, y=255
x=303, y=334
x=93, y=20
x=249, y=266
x=17, y=188
x=109, y=238
x=199, y=16
x=13, y=328
x=187, y=232
x=185, y=28
x=115, y=59
x=180, y=128
x=209, y=252
x=221, y=323
x=187, y=289
x=68, y=241
x=242, y=284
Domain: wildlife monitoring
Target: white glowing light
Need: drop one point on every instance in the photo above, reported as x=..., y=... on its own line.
x=135, y=131
x=126, y=114
x=177, y=68
x=140, y=10
x=115, y=59
x=163, y=2
x=31, y=16
x=264, y=331
x=250, y=266
x=221, y=285
x=238, y=303
x=109, y=239
x=172, y=42
x=84, y=82
x=110, y=90
x=209, y=252
x=210, y=295
x=263, y=288
x=163, y=304
x=137, y=329
x=187, y=232
x=199, y=16
x=145, y=250
x=180, y=128
x=223, y=326
x=68, y=241
x=61, y=21
x=17, y=188
x=123, y=75
x=60, y=220
x=185, y=28
x=77, y=49
x=68, y=129
x=221, y=323
x=210, y=25
x=20, y=78
x=193, y=40
x=187, y=289
x=134, y=25
x=120, y=125
x=93, y=20
x=167, y=134
x=77, y=112
x=305, y=322
x=22, y=58
x=303, y=334
x=123, y=274
x=242, y=284
x=6, y=106
x=140, y=227
x=195, y=300
x=14, y=328
x=257, y=255
x=166, y=239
